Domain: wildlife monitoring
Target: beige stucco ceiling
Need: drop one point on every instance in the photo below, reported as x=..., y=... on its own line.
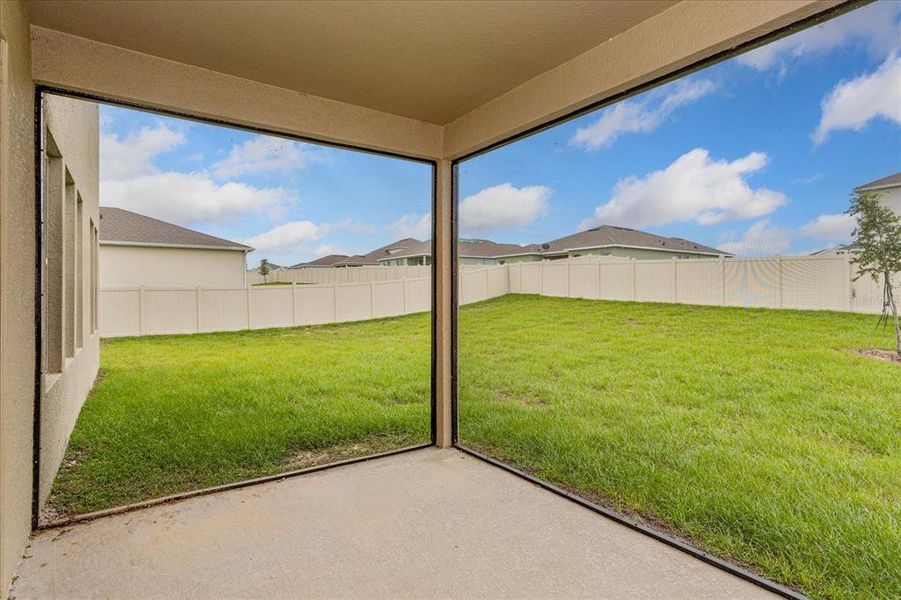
x=432, y=61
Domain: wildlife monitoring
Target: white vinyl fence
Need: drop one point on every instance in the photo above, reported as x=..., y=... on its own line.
x=347, y=274
x=158, y=311
x=806, y=283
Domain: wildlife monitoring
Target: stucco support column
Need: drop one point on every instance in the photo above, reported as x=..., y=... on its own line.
x=441, y=254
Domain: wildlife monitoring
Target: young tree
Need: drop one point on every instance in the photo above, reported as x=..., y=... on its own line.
x=878, y=239
x=264, y=269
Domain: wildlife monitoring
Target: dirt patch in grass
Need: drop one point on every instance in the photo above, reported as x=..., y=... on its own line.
x=324, y=456
x=524, y=399
x=878, y=354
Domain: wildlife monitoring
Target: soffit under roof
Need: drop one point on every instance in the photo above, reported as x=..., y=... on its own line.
x=432, y=61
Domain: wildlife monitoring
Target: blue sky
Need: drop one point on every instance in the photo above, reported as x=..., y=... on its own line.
x=756, y=155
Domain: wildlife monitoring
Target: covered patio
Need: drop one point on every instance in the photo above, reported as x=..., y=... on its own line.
x=436, y=82
x=423, y=524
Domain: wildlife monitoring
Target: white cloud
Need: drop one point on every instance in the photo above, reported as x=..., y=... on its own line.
x=132, y=156
x=760, y=239
x=639, y=117
x=504, y=206
x=693, y=188
x=186, y=198
x=263, y=154
x=875, y=27
x=326, y=249
x=852, y=104
x=412, y=225
x=294, y=236
x=830, y=228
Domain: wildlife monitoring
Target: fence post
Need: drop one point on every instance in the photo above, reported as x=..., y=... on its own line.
x=247, y=293
x=371, y=300
x=600, y=274
x=723, y=279
x=634, y=281
x=850, y=284
x=675, y=287
x=293, y=303
x=569, y=278
x=781, y=283
x=334, y=302
x=198, y=309
x=541, y=279
x=403, y=283
x=141, y=310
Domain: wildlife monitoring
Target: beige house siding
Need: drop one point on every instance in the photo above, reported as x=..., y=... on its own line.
x=892, y=198
x=509, y=260
x=153, y=266
x=412, y=261
x=475, y=260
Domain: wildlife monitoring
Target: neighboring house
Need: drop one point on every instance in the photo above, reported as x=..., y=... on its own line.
x=624, y=242
x=401, y=249
x=411, y=252
x=136, y=250
x=605, y=240
x=842, y=250
x=272, y=268
x=888, y=190
x=334, y=261
x=407, y=252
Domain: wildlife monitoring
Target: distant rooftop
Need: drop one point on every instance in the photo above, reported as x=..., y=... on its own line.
x=596, y=237
x=272, y=267
x=610, y=235
x=122, y=226
x=880, y=184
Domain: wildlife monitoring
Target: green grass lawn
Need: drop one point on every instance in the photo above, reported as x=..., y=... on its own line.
x=759, y=435
x=177, y=413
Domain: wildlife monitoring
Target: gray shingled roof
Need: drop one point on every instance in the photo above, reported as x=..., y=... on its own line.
x=124, y=226
x=608, y=235
x=885, y=182
x=399, y=249
x=605, y=235
x=489, y=249
x=323, y=261
x=465, y=247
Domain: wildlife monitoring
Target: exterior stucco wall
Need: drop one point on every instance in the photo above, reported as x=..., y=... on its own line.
x=135, y=266
x=75, y=128
x=17, y=229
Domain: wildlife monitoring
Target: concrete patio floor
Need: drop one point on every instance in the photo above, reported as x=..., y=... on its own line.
x=424, y=524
